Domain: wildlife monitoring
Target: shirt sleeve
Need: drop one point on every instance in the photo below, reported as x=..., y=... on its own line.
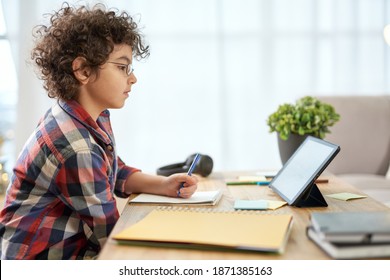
x=124, y=172
x=84, y=187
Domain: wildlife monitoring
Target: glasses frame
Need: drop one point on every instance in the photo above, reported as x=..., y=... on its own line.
x=129, y=67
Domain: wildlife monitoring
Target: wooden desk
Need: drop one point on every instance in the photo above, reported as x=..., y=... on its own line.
x=298, y=247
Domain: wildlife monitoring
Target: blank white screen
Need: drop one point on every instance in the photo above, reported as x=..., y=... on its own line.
x=301, y=168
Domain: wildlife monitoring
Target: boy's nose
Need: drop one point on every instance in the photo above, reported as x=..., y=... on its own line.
x=132, y=79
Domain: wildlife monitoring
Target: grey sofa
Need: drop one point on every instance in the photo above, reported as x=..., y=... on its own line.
x=363, y=134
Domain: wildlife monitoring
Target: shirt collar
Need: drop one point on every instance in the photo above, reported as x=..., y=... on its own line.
x=76, y=111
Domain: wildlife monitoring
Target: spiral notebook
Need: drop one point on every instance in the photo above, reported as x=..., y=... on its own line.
x=199, y=198
x=203, y=229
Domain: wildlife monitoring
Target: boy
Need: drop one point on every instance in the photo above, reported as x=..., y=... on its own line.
x=60, y=203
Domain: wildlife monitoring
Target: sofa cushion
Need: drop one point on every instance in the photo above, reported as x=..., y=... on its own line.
x=363, y=134
x=376, y=186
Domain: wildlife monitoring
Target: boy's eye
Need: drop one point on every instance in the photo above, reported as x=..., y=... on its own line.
x=123, y=68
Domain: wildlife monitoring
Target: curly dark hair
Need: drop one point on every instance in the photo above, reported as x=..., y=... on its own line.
x=81, y=32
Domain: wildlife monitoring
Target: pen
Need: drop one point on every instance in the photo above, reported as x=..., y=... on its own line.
x=264, y=183
x=189, y=173
x=241, y=183
x=317, y=181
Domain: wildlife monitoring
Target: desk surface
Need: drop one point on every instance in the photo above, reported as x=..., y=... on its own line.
x=298, y=247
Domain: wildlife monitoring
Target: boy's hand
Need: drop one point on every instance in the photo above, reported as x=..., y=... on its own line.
x=173, y=183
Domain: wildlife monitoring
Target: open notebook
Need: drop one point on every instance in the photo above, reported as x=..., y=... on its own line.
x=199, y=198
x=200, y=229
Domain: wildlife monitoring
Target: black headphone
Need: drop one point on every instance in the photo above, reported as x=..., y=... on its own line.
x=203, y=168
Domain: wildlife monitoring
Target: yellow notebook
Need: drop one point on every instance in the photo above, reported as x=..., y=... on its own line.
x=184, y=227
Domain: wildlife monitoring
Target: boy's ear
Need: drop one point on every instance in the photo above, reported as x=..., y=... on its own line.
x=81, y=70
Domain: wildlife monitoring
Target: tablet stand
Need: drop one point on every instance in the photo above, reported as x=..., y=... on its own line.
x=312, y=198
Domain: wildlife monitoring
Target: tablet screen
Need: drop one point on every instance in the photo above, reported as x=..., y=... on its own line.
x=303, y=167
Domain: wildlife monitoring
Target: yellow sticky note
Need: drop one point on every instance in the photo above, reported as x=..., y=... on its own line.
x=251, y=178
x=346, y=196
x=275, y=204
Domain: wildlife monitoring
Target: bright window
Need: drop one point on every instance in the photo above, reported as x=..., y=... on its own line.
x=8, y=97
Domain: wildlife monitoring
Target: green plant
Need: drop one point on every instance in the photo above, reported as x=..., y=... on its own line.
x=308, y=116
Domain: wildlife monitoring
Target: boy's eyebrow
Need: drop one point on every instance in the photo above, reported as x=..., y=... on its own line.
x=125, y=58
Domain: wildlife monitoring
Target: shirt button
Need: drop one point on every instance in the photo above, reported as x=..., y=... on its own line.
x=109, y=147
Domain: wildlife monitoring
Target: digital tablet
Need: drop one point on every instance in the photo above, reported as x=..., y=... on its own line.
x=295, y=181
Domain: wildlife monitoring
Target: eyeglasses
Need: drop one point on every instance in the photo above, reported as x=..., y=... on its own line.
x=127, y=68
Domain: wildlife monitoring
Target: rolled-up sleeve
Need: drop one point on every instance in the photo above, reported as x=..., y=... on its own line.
x=124, y=172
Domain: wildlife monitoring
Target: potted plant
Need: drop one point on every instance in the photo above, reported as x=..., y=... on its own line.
x=293, y=122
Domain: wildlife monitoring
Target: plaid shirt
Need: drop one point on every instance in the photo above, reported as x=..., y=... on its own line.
x=60, y=202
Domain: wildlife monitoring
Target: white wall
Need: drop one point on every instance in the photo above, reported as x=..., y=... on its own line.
x=218, y=68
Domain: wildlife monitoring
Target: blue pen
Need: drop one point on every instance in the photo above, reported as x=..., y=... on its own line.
x=192, y=167
x=263, y=183
x=243, y=183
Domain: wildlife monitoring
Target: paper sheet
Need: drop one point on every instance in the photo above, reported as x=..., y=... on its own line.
x=345, y=196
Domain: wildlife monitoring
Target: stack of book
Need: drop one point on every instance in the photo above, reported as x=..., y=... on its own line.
x=351, y=235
